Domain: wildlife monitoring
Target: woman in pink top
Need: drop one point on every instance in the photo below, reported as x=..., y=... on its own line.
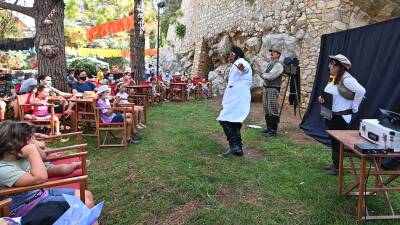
x=41, y=108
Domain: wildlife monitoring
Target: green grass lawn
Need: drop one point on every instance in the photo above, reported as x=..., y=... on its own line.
x=177, y=175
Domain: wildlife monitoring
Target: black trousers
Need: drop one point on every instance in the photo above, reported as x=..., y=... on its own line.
x=232, y=132
x=336, y=123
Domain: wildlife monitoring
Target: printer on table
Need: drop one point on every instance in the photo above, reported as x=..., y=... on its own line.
x=384, y=132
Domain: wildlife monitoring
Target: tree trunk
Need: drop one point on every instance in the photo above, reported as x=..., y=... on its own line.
x=132, y=52
x=139, y=41
x=50, y=41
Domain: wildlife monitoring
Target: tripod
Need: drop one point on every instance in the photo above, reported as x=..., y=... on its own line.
x=291, y=70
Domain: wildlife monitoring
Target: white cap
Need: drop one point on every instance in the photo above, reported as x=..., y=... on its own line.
x=127, y=70
x=342, y=59
x=102, y=89
x=177, y=73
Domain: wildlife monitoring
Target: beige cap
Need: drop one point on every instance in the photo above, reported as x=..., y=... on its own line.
x=276, y=48
x=342, y=59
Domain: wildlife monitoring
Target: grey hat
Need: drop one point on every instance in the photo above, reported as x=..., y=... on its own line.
x=342, y=59
x=276, y=48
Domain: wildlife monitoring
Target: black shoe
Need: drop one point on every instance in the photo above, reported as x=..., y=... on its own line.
x=328, y=167
x=271, y=133
x=265, y=131
x=239, y=153
x=231, y=151
x=133, y=142
x=333, y=171
x=137, y=136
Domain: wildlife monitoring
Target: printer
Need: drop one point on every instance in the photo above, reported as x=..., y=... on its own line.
x=384, y=132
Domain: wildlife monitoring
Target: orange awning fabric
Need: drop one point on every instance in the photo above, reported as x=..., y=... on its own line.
x=111, y=27
x=104, y=53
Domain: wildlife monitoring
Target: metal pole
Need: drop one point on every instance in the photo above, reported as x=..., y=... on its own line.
x=158, y=39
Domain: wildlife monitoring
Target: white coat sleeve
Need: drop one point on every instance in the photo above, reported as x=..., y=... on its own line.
x=353, y=85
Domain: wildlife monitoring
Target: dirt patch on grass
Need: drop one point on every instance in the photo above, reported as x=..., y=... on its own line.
x=288, y=127
x=252, y=197
x=228, y=196
x=253, y=155
x=178, y=215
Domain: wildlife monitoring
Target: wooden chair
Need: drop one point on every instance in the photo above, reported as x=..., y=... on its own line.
x=85, y=113
x=77, y=148
x=58, y=182
x=140, y=100
x=108, y=129
x=4, y=205
x=23, y=108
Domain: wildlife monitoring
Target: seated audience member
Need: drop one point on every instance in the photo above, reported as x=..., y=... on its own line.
x=21, y=166
x=127, y=79
x=7, y=94
x=99, y=74
x=70, y=79
x=28, y=86
x=123, y=99
x=82, y=84
x=54, y=92
x=190, y=87
x=41, y=108
x=205, y=87
x=154, y=92
x=107, y=114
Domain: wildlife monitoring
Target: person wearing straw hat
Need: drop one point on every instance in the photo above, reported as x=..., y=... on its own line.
x=236, y=101
x=107, y=114
x=347, y=95
x=272, y=83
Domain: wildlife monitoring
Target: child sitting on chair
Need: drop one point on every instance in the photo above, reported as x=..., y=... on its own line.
x=107, y=114
x=190, y=87
x=41, y=108
x=154, y=93
x=123, y=99
x=22, y=166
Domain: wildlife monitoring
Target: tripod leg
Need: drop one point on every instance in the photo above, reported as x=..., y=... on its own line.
x=284, y=96
x=297, y=98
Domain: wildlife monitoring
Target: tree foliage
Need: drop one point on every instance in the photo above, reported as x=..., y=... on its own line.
x=8, y=25
x=87, y=13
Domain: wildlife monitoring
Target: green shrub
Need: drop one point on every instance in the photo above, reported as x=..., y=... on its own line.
x=88, y=66
x=180, y=30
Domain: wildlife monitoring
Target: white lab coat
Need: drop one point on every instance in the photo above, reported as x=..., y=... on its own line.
x=237, y=97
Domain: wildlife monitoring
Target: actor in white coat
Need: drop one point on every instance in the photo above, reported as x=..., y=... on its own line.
x=236, y=101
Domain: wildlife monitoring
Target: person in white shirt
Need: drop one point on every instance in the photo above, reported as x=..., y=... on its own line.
x=347, y=95
x=236, y=101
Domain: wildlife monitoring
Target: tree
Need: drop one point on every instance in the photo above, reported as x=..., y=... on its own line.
x=138, y=42
x=49, y=40
x=8, y=25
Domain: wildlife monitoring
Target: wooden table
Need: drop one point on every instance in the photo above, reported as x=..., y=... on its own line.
x=181, y=94
x=348, y=138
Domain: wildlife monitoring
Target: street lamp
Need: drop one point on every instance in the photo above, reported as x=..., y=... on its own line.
x=160, y=4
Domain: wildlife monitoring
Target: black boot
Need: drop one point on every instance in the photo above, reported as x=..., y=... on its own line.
x=232, y=151
x=274, y=120
x=268, y=123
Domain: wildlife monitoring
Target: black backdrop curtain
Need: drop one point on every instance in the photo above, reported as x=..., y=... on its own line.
x=374, y=51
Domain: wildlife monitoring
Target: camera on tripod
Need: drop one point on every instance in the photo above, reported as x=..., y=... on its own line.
x=291, y=66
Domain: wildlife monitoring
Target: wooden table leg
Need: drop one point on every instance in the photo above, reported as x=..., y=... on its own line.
x=361, y=190
x=341, y=172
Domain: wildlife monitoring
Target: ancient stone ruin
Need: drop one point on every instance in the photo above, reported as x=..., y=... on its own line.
x=212, y=27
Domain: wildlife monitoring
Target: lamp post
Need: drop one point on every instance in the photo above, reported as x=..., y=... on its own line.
x=160, y=4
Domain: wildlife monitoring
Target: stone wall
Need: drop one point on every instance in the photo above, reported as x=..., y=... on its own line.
x=256, y=24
